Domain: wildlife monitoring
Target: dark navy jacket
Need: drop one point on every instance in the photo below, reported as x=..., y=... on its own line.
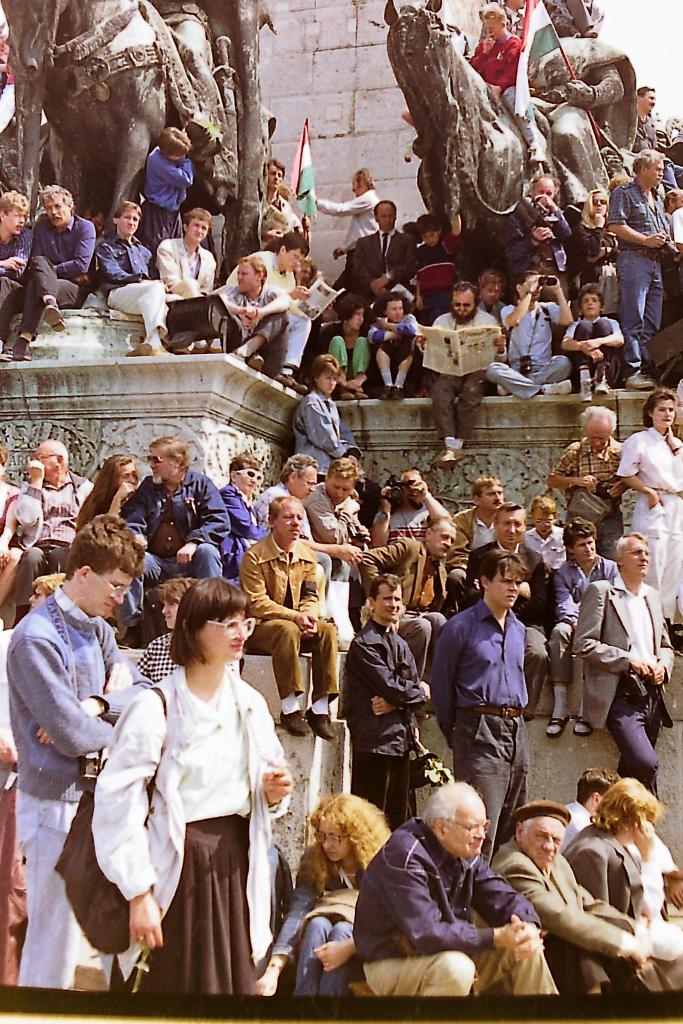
x=243, y=528
x=377, y=668
x=413, y=889
x=197, y=506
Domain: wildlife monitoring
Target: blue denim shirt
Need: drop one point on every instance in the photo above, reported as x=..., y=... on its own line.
x=629, y=205
x=121, y=261
x=317, y=430
x=571, y=582
x=476, y=662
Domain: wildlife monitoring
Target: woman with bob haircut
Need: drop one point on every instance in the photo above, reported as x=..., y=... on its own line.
x=194, y=868
x=318, y=929
x=620, y=859
x=115, y=482
x=246, y=476
x=652, y=464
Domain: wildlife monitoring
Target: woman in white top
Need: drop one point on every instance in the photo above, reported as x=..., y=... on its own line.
x=652, y=464
x=195, y=872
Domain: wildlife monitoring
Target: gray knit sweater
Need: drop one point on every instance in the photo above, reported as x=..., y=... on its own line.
x=57, y=657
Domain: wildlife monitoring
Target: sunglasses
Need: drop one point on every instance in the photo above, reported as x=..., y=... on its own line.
x=154, y=460
x=253, y=474
x=599, y=202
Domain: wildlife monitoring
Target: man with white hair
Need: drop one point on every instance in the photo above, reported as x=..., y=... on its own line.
x=46, y=513
x=588, y=942
x=636, y=216
x=589, y=466
x=627, y=657
x=433, y=919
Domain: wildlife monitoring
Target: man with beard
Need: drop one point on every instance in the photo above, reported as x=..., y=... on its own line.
x=456, y=400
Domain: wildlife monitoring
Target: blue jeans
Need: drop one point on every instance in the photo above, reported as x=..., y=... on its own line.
x=559, y=368
x=311, y=980
x=206, y=562
x=53, y=937
x=641, y=294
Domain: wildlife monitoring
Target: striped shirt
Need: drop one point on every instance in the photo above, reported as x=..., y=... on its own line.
x=19, y=245
x=60, y=510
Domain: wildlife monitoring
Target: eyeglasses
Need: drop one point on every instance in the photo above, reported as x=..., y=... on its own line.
x=116, y=589
x=154, y=460
x=253, y=474
x=235, y=627
x=330, y=837
x=478, y=826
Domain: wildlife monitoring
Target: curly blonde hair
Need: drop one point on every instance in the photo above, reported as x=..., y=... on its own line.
x=359, y=821
x=626, y=804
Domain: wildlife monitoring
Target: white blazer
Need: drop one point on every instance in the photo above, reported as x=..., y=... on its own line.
x=137, y=857
x=174, y=266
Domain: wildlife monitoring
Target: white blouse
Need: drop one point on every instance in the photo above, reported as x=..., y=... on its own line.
x=215, y=777
x=647, y=456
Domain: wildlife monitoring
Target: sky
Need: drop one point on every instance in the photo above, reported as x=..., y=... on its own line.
x=650, y=32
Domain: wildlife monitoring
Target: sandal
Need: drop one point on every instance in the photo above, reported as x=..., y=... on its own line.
x=582, y=728
x=556, y=727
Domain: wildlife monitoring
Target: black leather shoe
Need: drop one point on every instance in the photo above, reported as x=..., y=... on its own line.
x=320, y=724
x=385, y=394
x=294, y=723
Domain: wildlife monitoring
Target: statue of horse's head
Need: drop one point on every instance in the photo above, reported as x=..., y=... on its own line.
x=33, y=28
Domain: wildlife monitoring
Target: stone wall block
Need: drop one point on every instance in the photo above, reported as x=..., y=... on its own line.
x=287, y=75
x=372, y=29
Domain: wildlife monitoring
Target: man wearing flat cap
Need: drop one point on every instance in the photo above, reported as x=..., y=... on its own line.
x=588, y=943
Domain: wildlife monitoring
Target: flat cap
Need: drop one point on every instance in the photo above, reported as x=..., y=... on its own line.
x=542, y=809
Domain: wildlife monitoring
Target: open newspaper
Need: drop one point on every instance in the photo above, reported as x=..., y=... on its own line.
x=459, y=351
x=320, y=295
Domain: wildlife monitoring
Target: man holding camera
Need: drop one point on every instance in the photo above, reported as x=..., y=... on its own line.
x=536, y=232
x=405, y=507
x=531, y=367
x=67, y=685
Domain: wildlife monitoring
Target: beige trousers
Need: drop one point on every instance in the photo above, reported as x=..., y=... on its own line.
x=495, y=972
x=148, y=298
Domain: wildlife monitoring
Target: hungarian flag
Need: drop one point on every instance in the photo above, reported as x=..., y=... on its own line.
x=303, y=180
x=538, y=39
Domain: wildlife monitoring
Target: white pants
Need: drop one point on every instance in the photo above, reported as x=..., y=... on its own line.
x=296, y=335
x=663, y=526
x=148, y=298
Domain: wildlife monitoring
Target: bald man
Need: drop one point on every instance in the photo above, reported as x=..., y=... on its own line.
x=46, y=513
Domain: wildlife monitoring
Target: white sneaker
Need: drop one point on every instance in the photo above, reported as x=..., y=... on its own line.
x=639, y=382
x=503, y=392
x=563, y=387
x=450, y=457
x=602, y=388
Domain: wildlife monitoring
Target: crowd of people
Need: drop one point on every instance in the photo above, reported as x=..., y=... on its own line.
x=466, y=616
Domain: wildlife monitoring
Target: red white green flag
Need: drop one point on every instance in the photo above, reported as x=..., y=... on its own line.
x=303, y=179
x=539, y=38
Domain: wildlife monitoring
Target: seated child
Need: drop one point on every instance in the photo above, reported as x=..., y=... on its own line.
x=545, y=537
x=393, y=333
x=435, y=265
x=592, y=343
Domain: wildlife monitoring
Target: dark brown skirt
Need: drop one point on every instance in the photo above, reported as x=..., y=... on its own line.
x=207, y=948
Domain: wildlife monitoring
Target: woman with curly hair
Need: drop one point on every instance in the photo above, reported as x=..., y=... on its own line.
x=349, y=832
x=620, y=859
x=115, y=482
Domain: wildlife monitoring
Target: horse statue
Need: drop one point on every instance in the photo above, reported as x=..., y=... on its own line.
x=110, y=74
x=473, y=157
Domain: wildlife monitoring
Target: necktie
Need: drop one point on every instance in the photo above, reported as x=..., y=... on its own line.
x=385, y=246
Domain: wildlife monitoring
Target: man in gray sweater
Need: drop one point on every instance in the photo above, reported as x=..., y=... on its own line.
x=67, y=684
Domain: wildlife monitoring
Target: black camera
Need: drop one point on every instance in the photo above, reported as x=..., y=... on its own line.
x=547, y=279
x=525, y=366
x=533, y=213
x=90, y=765
x=395, y=491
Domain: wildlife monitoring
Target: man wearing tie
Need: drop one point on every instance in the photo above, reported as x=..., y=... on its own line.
x=383, y=691
x=386, y=259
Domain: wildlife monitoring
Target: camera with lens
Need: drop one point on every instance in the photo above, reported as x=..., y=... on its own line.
x=525, y=366
x=533, y=213
x=90, y=765
x=395, y=491
x=547, y=279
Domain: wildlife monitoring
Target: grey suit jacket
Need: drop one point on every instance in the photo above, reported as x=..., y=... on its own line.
x=565, y=908
x=602, y=640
